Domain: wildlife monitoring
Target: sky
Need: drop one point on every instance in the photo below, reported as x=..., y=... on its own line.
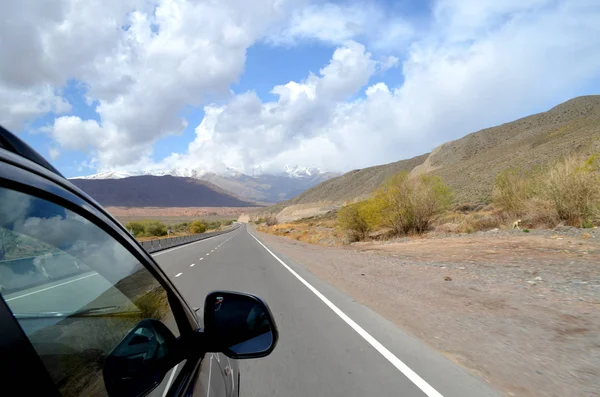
x=98, y=85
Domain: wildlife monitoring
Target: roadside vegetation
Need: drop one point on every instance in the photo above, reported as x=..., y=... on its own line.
x=145, y=229
x=566, y=192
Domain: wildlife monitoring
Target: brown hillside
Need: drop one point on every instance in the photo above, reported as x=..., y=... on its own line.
x=355, y=184
x=470, y=164
x=158, y=191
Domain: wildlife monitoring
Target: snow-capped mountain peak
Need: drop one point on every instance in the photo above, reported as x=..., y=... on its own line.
x=108, y=175
x=297, y=171
x=181, y=172
x=291, y=171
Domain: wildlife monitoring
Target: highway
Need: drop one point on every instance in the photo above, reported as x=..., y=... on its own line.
x=329, y=344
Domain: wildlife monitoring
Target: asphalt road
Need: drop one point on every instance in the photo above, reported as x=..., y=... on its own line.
x=329, y=344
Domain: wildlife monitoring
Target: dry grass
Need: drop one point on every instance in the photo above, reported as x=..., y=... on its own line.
x=461, y=222
x=321, y=230
x=325, y=230
x=567, y=191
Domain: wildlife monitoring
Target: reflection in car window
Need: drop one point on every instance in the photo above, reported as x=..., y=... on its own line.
x=75, y=291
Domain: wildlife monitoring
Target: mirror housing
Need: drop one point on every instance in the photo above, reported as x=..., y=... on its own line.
x=239, y=325
x=141, y=360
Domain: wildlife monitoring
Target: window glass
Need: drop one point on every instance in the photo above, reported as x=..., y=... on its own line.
x=75, y=291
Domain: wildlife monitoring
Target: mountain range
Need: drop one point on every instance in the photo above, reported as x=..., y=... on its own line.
x=263, y=188
x=158, y=191
x=469, y=165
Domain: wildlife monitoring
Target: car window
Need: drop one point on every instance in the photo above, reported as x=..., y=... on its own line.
x=75, y=291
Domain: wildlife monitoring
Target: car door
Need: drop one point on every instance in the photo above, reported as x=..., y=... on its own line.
x=77, y=284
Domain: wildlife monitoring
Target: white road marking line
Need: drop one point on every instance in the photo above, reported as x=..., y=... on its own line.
x=178, y=274
x=192, y=265
x=170, y=380
x=200, y=258
x=395, y=361
x=209, y=375
x=208, y=254
x=54, y=286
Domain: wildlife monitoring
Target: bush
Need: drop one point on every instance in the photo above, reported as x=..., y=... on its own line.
x=181, y=228
x=358, y=219
x=573, y=187
x=567, y=191
x=136, y=228
x=587, y=224
x=155, y=228
x=147, y=228
x=214, y=225
x=511, y=191
x=271, y=220
x=410, y=205
x=197, y=227
x=459, y=222
x=484, y=222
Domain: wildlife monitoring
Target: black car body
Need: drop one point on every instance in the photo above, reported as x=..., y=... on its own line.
x=86, y=311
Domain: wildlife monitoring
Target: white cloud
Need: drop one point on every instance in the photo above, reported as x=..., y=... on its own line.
x=473, y=64
x=141, y=63
x=54, y=153
x=18, y=106
x=247, y=132
x=504, y=63
x=73, y=133
x=336, y=23
x=388, y=62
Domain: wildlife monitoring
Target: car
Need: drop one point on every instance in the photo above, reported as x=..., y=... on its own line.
x=86, y=311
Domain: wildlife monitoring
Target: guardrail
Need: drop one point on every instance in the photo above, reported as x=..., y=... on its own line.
x=164, y=243
x=22, y=273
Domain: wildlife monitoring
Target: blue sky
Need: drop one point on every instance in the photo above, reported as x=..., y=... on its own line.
x=337, y=85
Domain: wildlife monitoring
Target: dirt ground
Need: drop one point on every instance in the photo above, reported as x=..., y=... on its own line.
x=175, y=214
x=521, y=310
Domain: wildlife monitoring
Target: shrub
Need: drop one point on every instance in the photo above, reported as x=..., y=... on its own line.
x=357, y=219
x=214, y=225
x=410, y=205
x=271, y=220
x=147, y=228
x=511, y=191
x=484, y=222
x=573, y=187
x=567, y=191
x=155, y=228
x=183, y=227
x=587, y=224
x=137, y=228
x=197, y=227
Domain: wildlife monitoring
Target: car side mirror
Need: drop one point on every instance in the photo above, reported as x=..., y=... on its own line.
x=141, y=360
x=239, y=325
